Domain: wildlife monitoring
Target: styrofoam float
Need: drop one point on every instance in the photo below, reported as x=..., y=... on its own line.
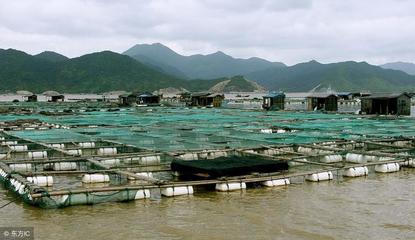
x=95, y=178
x=177, y=191
x=107, y=151
x=41, y=181
x=64, y=166
x=356, y=172
x=387, y=167
x=276, y=182
x=317, y=177
x=225, y=187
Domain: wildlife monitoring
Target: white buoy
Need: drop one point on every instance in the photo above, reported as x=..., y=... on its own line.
x=18, y=148
x=408, y=163
x=57, y=145
x=95, y=178
x=387, y=167
x=37, y=154
x=368, y=158
x=107, y=151
x=202, y=155
x=331, y=159
x=267, y=131
x=317, y=177
x=41, y=181
x=304, y=150
x=225, y=187
x=22, y=190
x=356, y=172
x=271, y=152
x=150, y=160
x=276, y=182
x=177, y=191
x=142, y=194
x=219, y=154
x=111, y=162
x=355, y=158
x=25, y=167
x=9, y=143
x=77, y=152
x=386, y=159
x=86, y=144
x=64, y=166
x=188, y=156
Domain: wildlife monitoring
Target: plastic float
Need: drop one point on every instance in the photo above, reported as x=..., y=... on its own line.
x=356, y=172
x=18, y=148
x=64, y=166
x=86, y=144
x=276, y=182
x=226, y=187
x=95, y=178
x=332, y=159
x=387, y=167
x=41, y=181
x=75, y=152
x=25, y=167
x=107, y=151
x=317, y=177
x=177, y=191
x=37, y=154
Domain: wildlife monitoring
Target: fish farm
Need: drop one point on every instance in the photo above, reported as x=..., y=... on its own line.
x=60, y=155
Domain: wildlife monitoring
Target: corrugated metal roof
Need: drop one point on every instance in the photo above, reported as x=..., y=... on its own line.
x=215, y=95
x=385, y=95
x=321, y=95
x=201, y=94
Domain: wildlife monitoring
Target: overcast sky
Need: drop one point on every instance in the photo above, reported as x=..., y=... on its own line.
x=290, y=31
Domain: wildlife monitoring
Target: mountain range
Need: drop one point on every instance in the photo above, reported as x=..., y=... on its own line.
x=342, y=76
x=409, y=68
x=198, y=66
x=149, y=67
x=96, y=72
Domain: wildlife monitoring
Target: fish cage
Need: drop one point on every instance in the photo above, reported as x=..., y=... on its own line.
x=106, y=156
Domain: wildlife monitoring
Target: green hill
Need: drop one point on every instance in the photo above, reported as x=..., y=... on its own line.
x=51, y=56
x=343, y=76
x=407, y=67
x=96, y=72
x=198, y=66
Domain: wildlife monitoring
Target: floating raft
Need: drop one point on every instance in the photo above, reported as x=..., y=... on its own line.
x=227, y=166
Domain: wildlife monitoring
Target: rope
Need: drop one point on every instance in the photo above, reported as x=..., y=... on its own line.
x=14, y=200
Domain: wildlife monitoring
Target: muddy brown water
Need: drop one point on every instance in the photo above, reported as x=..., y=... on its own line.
x=380, y=206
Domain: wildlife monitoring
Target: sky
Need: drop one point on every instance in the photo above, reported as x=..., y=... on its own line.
x=290, y=31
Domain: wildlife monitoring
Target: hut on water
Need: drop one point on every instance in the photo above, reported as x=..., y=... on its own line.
x=144, y=98
x=387, y=104
x=147, y=98
x=27, y=96
x=53, y=96
x=207, y=99
x=273, y=101
x=127, y=99
x=322, y=101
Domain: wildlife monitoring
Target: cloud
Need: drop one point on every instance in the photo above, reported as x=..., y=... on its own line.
x=278, y=30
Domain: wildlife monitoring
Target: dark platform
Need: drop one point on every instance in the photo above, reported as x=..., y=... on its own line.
x=227, y=166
